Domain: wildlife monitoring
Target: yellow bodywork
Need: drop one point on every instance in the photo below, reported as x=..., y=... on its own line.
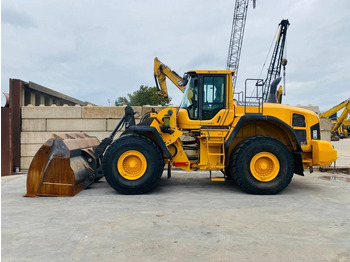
x=216, y=138
x=322, y=152
x=212, y=140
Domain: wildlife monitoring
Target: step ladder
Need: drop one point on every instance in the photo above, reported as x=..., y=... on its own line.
x=221, y=154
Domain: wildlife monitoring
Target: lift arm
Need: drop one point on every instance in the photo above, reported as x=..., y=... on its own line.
x=162, y=71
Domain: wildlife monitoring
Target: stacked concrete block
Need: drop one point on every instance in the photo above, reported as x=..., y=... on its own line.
x=325, y=127
x=313, y=108
x=39, y=122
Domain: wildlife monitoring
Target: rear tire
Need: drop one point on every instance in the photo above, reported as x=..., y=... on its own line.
x=132, y=164
x=262, y=165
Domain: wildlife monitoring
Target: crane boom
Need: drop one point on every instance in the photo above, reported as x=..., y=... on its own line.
x=236, y=39
x=277, y=59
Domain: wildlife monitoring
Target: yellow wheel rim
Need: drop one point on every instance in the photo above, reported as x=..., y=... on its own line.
x=132, y=165
x=264, y=166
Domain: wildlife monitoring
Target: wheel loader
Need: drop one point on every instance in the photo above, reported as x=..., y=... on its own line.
x=258, y=145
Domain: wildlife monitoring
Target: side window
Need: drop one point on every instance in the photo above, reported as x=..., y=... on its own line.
x=299, y=126
x=213, y=96
x=190, y=98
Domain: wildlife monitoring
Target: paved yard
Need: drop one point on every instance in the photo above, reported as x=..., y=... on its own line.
x=187, y=218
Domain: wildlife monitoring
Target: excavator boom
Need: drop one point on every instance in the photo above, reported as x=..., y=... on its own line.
x=335, y=109
x=340, y=120
x=161, y=72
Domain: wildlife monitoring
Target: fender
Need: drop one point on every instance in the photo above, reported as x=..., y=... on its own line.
x=142, y=130
x=297, y=154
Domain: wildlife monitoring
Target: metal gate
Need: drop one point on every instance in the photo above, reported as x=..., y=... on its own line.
x=6, y=145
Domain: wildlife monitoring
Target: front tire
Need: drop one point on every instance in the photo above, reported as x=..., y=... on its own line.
x=132, y=164
x=262, y=165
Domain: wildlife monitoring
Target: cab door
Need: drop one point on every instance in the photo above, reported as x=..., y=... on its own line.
x=212, y=99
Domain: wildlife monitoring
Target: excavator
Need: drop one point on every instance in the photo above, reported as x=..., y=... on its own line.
x=259, y=146
x=341, y=125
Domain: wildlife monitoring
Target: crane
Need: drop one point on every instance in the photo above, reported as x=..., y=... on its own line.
x=236, y=39
x=277, y=61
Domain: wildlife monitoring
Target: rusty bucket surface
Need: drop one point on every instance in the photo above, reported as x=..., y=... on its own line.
x=63, y=166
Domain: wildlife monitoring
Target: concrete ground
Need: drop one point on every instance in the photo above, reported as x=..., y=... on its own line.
x=187, y=218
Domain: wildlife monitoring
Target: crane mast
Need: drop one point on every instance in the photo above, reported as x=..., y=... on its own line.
x=277, y=59
x=236, y=39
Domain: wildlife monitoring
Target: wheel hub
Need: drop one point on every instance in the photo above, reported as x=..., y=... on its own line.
x=132, y=165
x=264, y=166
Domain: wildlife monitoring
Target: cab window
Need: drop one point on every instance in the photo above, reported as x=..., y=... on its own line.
x=190, y=98
x=213, y=96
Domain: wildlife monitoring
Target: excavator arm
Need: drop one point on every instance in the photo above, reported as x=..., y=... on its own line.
x=342, y=117
x=346, y=105
x=335, y=109
x=161, y=72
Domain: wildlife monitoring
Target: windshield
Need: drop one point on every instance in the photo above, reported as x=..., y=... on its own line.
x=190, y=98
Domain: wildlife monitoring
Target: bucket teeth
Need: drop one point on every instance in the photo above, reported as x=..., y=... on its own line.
x=63, y=166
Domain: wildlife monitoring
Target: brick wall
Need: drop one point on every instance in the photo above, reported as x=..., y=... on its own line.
x=39, y=122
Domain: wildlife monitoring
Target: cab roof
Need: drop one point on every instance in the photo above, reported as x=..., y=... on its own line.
x=213, y=72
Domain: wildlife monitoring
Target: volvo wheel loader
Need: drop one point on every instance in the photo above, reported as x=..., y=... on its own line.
x=258, y=145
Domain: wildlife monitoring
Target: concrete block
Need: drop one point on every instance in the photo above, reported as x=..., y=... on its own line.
x=103, y=111
x=146, y=109
x=112, y=123
x=33, y=125
x=137, y=109
x=106, y=111
x=29, y=149
x=34, y=137
x=326, y=135
x=25, y=162
x=325, y=124
x=313, y=108
x=51, y=112
x=84, y=125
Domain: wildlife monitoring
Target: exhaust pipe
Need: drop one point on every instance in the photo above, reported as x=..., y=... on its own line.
x=272, y=98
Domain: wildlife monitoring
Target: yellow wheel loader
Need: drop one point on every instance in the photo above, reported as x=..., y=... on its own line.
x=258, y=145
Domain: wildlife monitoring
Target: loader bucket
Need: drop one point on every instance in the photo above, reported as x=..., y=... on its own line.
x=63, y=166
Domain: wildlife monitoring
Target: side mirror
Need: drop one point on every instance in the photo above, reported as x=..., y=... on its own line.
x=185, y=79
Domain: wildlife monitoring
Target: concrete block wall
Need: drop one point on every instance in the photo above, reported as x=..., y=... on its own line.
x=39, y=122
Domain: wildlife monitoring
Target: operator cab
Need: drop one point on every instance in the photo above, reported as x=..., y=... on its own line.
x=204, y=97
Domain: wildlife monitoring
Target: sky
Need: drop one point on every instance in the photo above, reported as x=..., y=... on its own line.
x=99, y=50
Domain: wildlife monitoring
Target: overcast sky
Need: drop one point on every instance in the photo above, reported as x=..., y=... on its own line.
x=99, y=50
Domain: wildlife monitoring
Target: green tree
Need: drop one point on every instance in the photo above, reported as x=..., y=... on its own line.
x=144, y=96
x=122, y=100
